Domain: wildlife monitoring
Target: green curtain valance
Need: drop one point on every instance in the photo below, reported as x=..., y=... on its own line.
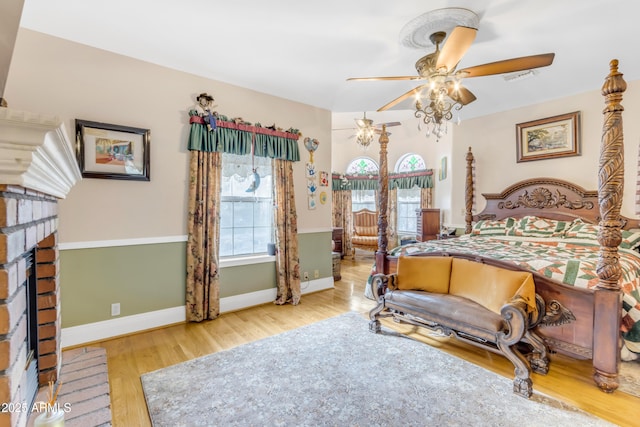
x=237, y=138
x=407, y=180
x=403, y=180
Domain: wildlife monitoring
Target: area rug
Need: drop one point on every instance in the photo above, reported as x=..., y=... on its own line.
x=337, y=373
x=630, y=377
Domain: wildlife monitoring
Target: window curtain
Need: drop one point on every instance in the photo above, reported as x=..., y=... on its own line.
x=426, y=198
x=392, y=218
x=203, y=240
x=287, y=259
x=203, y=227
x=341, y=209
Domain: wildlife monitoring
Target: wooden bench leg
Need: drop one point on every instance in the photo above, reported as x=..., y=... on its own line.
x=522, y=384
x=539, y=357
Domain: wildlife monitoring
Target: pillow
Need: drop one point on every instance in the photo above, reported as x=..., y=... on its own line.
x=582, y=230
x=533, y=226
x=424, y=273
x=490, y=286
x=492, y=228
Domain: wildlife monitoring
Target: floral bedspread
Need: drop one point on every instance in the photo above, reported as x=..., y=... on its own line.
x=569, y=261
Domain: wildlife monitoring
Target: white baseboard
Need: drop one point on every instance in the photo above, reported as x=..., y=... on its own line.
x=91, y=332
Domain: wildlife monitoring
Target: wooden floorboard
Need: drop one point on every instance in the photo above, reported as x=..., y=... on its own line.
x=131, y=356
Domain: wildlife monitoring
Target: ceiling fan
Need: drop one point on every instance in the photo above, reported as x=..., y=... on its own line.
x=365, y=129
x=439, y=69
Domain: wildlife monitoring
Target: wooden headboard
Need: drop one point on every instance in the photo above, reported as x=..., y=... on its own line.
x=546, y=197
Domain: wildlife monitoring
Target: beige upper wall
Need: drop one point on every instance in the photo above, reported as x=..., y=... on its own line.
x=492, y=139
x=53, y=76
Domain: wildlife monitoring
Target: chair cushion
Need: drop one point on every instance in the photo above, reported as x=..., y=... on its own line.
x=365, y=240
x=424, y=273
x=491, y=286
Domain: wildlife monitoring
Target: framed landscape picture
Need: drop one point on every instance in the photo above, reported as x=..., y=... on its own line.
x=112, y=151
x=549, y=138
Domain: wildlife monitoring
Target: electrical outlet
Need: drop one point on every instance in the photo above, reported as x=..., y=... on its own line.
x=115, y=309
x=305, y=275
x=316, y=274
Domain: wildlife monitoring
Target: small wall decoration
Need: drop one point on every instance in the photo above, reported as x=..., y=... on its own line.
x=324, y=179
x=443, y=169
x=557, y=136
x=311, y=144
x=312, y=202
x=323, y=197
x=310, y=170
x=112, y=151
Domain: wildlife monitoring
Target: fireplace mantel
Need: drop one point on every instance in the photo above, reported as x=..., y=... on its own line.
x=36, y=153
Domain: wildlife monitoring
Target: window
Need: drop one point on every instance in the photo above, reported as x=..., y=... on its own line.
x=408, y=199
x=363, y=199
x=408, y=202
x=246, y=217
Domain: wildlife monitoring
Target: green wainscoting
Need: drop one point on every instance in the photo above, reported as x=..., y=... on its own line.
x=150, y=277
x=141, y=278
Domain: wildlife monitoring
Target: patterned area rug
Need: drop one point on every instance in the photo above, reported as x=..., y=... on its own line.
x=335, y=372
x=630, y=377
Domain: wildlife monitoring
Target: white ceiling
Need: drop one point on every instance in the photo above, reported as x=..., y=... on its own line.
x=305, y=51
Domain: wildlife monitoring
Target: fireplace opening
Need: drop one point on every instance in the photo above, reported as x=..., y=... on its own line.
x=31, y=366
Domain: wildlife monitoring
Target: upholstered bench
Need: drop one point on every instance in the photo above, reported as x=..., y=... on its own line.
x=487, y=306
x=365, y=231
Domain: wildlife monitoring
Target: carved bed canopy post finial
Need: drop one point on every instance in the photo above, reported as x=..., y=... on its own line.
x=611, y=180
x=468, y=193
x=610, y=190
x=383, y=192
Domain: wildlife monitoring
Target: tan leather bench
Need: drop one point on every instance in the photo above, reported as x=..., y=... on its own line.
x=487, y=306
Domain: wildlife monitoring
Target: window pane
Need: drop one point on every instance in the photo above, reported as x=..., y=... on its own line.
x=246, y=217
x=226, y=242
x=243, y=241
x=408, y=202
x=242, y=214
x=226, y=215
x=263, y=213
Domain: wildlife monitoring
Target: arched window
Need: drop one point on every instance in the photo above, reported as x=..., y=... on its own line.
x=408, y=200
x=362, y=198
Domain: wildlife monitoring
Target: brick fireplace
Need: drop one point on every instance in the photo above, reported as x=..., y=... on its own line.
x=37, y=169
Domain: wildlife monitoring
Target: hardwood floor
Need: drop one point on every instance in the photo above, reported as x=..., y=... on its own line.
x=133, y=355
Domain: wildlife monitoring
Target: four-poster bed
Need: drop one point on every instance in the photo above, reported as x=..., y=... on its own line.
x=583, y=294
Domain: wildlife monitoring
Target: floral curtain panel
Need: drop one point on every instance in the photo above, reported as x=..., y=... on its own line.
x=203, y=241
x=203, y=227
x=287, y=256
x=342, y=217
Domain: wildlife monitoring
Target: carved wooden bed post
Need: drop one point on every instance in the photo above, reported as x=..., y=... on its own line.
x=468, y=193
x=383, y=196
x=610, y=189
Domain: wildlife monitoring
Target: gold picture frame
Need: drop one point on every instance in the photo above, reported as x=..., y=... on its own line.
x=553, y=137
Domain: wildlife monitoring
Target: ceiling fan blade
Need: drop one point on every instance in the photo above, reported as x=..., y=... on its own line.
x=461, y=94
x=369, y=79
x=401, y=98
x=508, y=65
x=455, y=47
x=388, y=124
